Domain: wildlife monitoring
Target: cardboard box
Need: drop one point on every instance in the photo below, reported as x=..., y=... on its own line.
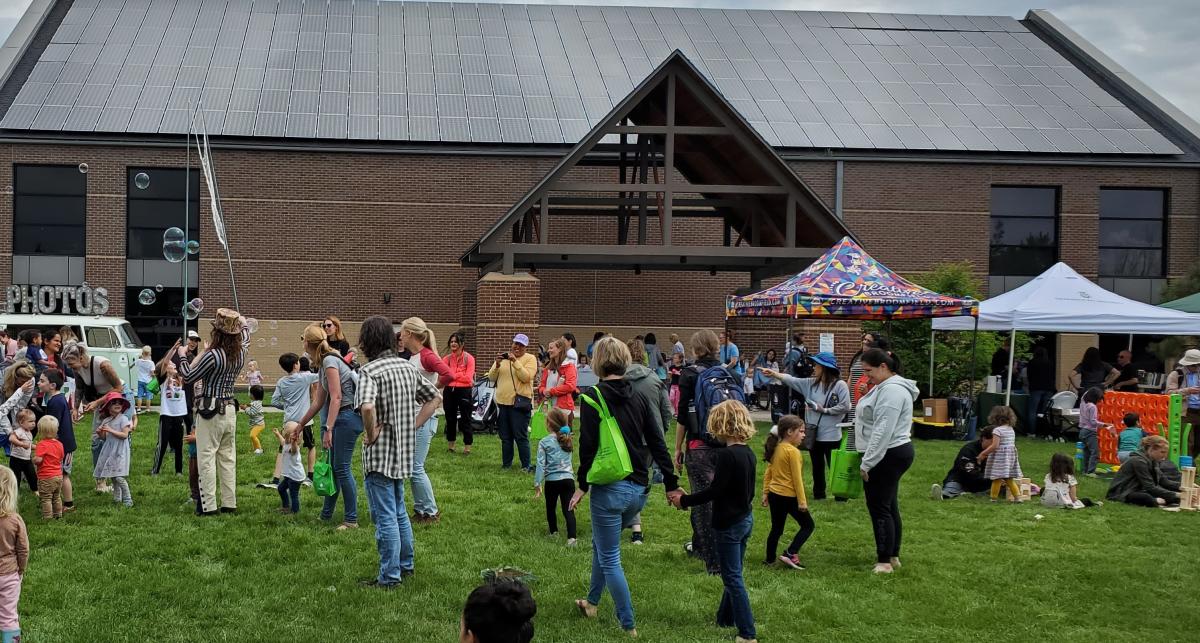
x=936, y=410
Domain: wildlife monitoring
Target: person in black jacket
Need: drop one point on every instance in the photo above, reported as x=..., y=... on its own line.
x=1039, y=376
x=699, y=447
x=615, y=504
x=966, y=476
x=1140, y=481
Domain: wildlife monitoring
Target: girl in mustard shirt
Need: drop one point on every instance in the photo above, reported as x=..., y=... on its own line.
x=783, y=489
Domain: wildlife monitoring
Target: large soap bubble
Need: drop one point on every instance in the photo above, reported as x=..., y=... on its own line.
x=146, y=297
x=174, y=248
x=252, y=325
x=193, y=308
x=141, y=180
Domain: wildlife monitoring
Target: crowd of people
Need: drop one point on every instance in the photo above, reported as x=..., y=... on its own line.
x=650, y=412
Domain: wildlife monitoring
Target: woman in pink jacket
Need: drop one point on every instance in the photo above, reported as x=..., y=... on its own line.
x=457, y=399
x=558, y=379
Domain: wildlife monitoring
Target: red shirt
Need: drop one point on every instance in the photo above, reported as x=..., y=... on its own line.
x=462, y=369
x=51, y=453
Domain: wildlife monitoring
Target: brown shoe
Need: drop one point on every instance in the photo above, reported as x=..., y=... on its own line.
x=420, y=518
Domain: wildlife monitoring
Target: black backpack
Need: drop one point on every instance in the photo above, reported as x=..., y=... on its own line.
x=803, y=367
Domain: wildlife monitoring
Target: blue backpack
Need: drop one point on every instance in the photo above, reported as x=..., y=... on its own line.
x=714, y=385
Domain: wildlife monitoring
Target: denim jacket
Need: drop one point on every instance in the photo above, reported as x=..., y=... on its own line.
x=552, y=462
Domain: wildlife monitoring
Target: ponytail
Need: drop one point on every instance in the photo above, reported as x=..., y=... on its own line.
x=785, y=427
x=556, y=420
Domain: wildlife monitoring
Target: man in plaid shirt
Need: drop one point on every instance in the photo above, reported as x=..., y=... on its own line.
x=394, y=399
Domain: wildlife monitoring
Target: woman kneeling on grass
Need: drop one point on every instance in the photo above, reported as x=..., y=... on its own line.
x=1140, y=481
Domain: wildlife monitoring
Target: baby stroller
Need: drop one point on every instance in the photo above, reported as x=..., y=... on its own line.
x=484, y=414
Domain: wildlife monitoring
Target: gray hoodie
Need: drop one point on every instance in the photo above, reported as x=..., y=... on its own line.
x=883, y=419
x=645, y=382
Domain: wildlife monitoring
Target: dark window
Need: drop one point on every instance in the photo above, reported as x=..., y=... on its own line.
x=1024, y=223
x=158, y=206
x=49, y=210
x=1132, y=232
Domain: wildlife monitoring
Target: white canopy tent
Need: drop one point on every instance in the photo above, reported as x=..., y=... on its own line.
x=1063, y=301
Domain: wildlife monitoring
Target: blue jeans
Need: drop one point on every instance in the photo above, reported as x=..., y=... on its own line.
x=346, y=429
x=289, y=494
x=1036, y=400
x=422, y=489
x=1091, y=449
x=393, y=531
x=613, y=507
x=734, y=610
x=514, y=427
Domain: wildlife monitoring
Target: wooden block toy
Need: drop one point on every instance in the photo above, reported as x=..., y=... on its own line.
x=1189, y=477
x=1025, y=485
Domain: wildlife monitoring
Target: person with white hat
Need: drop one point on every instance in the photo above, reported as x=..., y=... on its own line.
x=513, y=373
x=1185, y=380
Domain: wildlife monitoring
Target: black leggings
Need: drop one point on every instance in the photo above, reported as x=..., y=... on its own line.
x=881, y=488
x=170, y=435
x=458, y=404
x=821, y=454
x=781, y=508
x=559, y=491
x=1143, y=499
x=24, y=468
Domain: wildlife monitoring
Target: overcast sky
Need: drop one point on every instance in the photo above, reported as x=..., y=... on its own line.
x=1156, y=39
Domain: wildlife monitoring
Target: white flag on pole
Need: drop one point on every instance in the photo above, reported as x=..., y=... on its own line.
x=211, y=180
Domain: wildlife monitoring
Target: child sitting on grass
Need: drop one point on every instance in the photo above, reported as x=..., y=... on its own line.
x=14, y=555
x=1130, y=438
x=293, y=469
x=554, y=472
x=48, y=456
x=783, y=489
x=20, y=441
x=1003, y=466
x=732, y=494
x=1060, y=486
x=254, y=414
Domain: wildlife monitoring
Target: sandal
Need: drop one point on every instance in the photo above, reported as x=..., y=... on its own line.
x=585, y=608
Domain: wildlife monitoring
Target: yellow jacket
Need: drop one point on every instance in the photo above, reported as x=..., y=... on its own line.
x=784, y=474
x=513, y=378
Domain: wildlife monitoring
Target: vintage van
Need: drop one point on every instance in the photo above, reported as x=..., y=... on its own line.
x=110, y=337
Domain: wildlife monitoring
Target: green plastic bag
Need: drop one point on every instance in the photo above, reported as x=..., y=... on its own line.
x=844, y=479
x=537, y=423
x=152, y=386
x=323, y=476
x=612, y=462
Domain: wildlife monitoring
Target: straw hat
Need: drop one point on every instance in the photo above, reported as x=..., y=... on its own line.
x=1190, y=358
x=228, y=321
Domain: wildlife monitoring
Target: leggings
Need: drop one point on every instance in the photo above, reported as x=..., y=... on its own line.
x=880, y=489
x=22, y=467
x=1143, y=499
x=458, y=404
x=1014, y=493
x=822, y=453
x=255, y=431
x=781, y=508
x=170, y=435
x=559, y=491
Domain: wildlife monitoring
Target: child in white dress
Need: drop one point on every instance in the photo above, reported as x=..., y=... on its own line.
x=113, y=461
x=1060, y=488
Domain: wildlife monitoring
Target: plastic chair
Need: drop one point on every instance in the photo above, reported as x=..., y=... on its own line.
x=1062, y=401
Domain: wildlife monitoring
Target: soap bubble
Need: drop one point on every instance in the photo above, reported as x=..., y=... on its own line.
x=173, y=245
x=252, y=325
x=262, y=342
x=141, y=180
x=193, y=247
x=273, y=325
x=83, y=168
x=274, y=341
x=193, y=308
x=147, y=297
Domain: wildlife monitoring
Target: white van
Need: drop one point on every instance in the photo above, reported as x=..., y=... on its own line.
x=110, y=337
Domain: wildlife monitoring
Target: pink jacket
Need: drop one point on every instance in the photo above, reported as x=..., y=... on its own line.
x=462, y=369
x=567, y=377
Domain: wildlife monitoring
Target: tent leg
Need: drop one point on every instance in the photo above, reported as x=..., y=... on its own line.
x=1012, y=347
x=1130, y=344
x=932, y=337
x=971, y=419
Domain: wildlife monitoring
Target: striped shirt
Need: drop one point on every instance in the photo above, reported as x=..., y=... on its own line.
x=397, y=389
x=216, y=371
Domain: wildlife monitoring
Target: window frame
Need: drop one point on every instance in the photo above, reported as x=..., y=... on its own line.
x=18, y=224
x=1056, y=224
x=1164, y=241
x=130, y=197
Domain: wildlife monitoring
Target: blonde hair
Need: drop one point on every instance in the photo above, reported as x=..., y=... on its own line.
x=146, y=351
x=562, y=345
x=730, y=420
x=704, y=343
x=25, y=413
x=316, y=344
x=8, y=492
x=18, y=371
x=47, y=428
x=291, y=432
x=610, y=356
x=1154, y=442
x=416, y=326
x=637, y=351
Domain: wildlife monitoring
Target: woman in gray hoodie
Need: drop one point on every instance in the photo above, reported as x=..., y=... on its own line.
x=882, y=423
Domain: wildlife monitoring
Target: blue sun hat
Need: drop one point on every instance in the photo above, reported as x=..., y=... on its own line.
x=826, y=359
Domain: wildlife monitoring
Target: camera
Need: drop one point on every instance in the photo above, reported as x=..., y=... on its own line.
x=503, y=356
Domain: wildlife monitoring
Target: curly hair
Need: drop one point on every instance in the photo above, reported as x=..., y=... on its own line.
x=730, y=421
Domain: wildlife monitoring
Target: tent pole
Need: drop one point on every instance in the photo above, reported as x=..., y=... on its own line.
x=932, y=337
x=1131, y=344
x=971, y=389
x=1012, y=348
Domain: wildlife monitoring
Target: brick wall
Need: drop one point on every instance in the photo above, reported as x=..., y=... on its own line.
x=504, y=306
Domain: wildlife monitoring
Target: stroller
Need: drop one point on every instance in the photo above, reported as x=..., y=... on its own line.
x=484, y=414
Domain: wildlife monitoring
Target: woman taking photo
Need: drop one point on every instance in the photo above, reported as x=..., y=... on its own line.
x=883, y=423
x=95, y=377
x=512, y=373
x=615, y=504
x=417, y=339
x=457, y=400
x=827, y=401
x=558, y=380
x=334, y=400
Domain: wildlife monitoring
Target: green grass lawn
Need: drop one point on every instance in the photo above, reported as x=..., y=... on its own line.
x=972, y=570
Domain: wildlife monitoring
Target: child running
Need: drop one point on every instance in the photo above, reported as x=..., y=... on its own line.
x=1003, y=467
x=293, y=469
x=1060, y=488
x=48, y=456
x=20, y=458
x=14, y=555
x=172, y=412
x=113, y=461
x=554, y=468
x=731, y=492
x=254, y=377
x=254, y=414
x=783, y=489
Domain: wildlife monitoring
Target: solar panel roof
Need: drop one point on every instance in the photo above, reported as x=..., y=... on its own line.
x=490, y=73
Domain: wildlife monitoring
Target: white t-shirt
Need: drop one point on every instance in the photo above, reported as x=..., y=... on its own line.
x=1058, y=494
x=293, y=469
x=24, y=436
x=174, y=404
x=145, y=370
x=573, y=356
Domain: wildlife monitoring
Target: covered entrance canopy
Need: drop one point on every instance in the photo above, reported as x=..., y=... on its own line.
x=628, y=195
x=1189, y=304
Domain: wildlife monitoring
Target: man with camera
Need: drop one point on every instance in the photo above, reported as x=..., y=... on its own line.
x=513, y=374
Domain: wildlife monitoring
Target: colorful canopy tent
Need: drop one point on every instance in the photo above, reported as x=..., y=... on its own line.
x=848, y=282
x=1189, y=304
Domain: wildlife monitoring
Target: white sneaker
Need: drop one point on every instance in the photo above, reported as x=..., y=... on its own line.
x=935, y=492
x=306, y=483
x=258, y=452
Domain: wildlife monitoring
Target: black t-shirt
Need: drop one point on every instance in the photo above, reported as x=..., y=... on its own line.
x=967, y=470
x=732, y=488
x=1093, y=377
x=1128, y=372
x=1040, y=375
x=340, y=345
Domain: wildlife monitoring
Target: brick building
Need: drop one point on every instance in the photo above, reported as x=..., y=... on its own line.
x=363, y=147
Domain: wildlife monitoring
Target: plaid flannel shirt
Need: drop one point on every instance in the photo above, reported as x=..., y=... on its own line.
x=398, y=390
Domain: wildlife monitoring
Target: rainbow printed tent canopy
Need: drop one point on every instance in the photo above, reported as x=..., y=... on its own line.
x=848, y=282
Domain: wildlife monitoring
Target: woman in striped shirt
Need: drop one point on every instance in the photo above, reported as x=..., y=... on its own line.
x=217, y=368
